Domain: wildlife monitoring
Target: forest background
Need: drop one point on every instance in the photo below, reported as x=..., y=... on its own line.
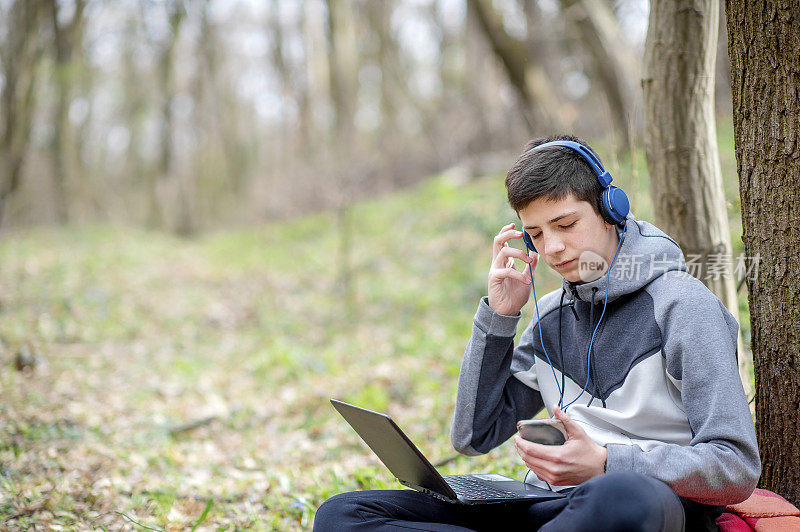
x=214, y=216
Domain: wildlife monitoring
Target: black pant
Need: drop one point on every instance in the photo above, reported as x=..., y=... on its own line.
x=619, y=501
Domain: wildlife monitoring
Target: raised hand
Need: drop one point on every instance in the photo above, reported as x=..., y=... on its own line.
x=509, y=289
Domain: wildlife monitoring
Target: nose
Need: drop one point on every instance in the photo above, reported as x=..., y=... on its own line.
x=552, y=244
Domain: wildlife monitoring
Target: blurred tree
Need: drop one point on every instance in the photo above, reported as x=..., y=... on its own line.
x=290, y=89
x=722, y=83
x=681, y=141
x=343, y=72
x=136, y=106
x=159, y=217
x=614, y=64
x=175, y=113
x=21, y=51
x=221, y=110
x=316, y=74
x=540, y=100
x=68, y=47
x=763, y=44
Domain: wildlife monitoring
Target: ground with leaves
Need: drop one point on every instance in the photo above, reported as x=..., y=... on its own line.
x=172, y=383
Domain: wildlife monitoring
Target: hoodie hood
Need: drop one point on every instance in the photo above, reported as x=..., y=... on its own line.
x=645, y=254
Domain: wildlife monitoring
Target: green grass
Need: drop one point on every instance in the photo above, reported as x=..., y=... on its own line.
x=255, y=329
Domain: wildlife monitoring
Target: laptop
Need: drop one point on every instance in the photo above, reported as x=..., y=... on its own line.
x=413, y=470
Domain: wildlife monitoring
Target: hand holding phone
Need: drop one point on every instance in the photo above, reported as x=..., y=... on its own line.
x=543, y=431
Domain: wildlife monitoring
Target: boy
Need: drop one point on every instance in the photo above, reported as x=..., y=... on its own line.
x=644, y=361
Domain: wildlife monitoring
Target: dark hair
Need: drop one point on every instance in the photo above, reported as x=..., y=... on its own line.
x=552, y=172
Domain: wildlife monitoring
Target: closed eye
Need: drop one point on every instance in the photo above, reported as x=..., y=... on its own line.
x=569, y=226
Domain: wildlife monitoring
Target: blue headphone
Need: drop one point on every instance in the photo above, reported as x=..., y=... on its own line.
x=614, y=207
x=613, y=202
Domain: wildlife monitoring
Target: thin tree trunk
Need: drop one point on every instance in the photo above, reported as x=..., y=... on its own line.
x=343, y=72
x=68, y=37
x=380, y=14
x=20, y=58
x=316, y=70
x=223, y=108
x=614, y=62
x=528, y=78
x=681, y=143
x=157, y=217
x=139, y=172
x=763, y=44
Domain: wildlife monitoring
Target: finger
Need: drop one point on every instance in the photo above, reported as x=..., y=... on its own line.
x=573, y=429
x=534, y=258
x=548, y=453
x=501, y=259
x=502, y=237
x=544, y=470
x=509, y=273
x=532, y=264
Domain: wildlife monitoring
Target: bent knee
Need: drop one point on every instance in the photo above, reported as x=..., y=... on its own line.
x=336, y=512
x=632, y=501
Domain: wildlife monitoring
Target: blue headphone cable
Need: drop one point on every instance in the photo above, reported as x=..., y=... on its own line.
x=591, y=342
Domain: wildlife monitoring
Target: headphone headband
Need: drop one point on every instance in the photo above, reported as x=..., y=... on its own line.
x=597, y=167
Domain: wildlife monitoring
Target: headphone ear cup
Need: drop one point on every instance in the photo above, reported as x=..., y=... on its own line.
x=528, y=242
x=614, y=205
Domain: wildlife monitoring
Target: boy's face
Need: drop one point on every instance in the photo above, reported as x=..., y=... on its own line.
x=567, y=231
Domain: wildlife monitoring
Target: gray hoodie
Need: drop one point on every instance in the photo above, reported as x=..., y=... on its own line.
x=664, y=395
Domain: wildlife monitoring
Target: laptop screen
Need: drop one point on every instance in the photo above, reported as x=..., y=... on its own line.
x=393, y=448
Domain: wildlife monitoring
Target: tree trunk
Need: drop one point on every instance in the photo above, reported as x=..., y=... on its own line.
x=380, y=14
x=139, y=172
x=529, y=79
x=166, y=81
x=316, y=72
x=615, y=64
x=222, y=110
x=681, y=143
x=343, y=72
x=68, y=37
x=19, y=60
x=763, y=44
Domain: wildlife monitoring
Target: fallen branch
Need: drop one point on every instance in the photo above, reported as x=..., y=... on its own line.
x=186, y=427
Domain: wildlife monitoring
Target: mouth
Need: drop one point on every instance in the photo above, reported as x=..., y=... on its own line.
x=562, y=265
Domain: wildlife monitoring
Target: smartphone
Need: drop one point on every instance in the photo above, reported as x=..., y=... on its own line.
x=544, y=431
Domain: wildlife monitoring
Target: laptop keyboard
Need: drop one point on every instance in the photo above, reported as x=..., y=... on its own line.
x=471, y=488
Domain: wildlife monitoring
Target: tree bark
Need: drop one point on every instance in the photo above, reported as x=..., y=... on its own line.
x=763, y=44
x=681, y=143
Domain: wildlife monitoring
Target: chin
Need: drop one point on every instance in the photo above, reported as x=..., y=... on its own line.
x=572, y=277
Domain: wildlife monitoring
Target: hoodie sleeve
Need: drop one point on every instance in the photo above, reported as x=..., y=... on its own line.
x=721, y=464
x=490, y=400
